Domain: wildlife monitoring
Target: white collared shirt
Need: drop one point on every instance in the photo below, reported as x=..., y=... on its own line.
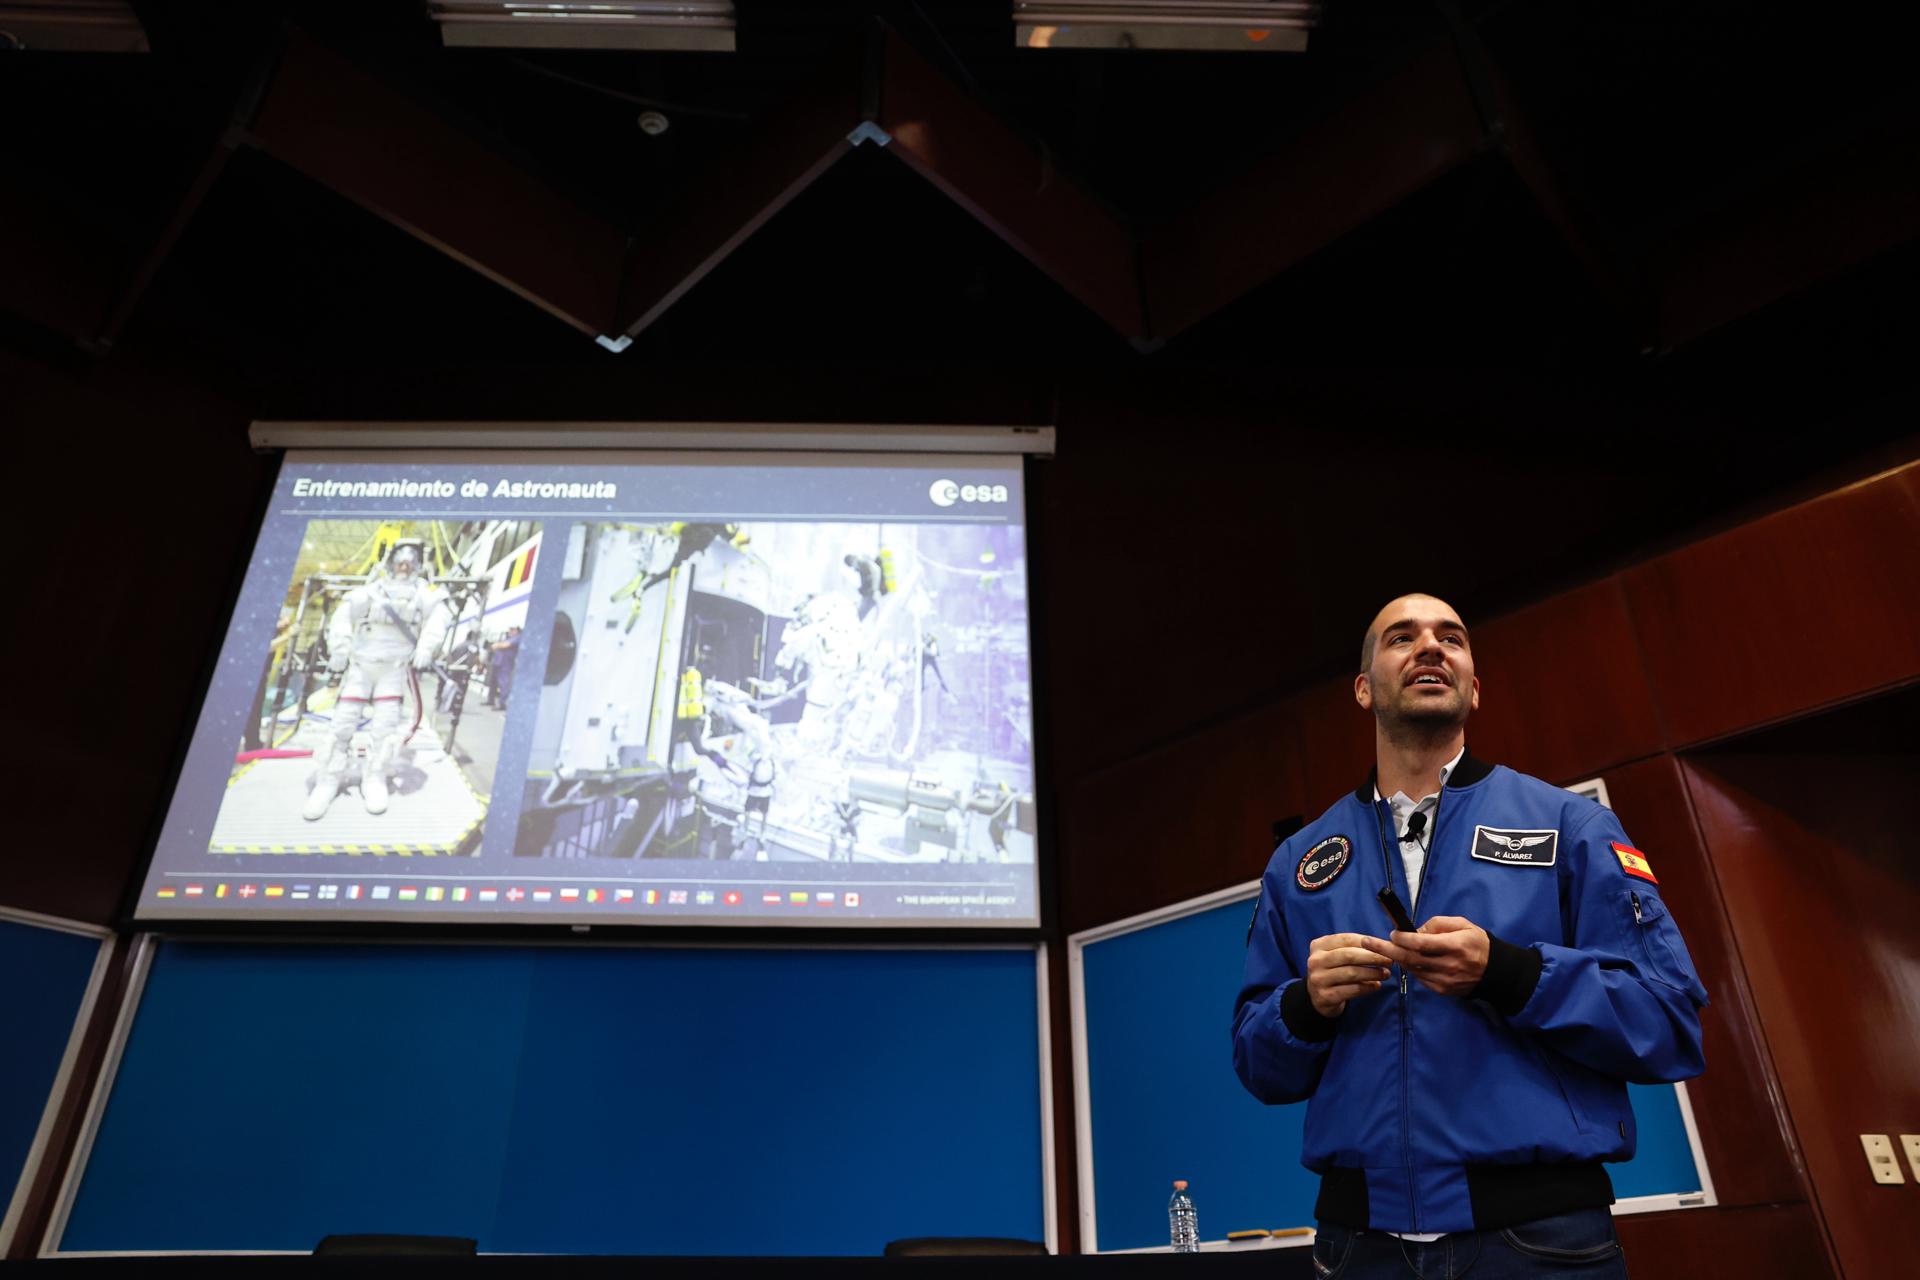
x=1413, y=853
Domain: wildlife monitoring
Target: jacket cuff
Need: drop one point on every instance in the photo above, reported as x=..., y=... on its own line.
x=1302, y=1019
x=1512, y=974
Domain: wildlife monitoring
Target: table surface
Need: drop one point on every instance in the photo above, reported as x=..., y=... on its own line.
x=1271, y=1264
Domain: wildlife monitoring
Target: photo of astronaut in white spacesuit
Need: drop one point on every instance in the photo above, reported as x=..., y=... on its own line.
x=374, y=727
x=379, y=633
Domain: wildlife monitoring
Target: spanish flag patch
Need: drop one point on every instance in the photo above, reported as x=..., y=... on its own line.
x=1634, y=862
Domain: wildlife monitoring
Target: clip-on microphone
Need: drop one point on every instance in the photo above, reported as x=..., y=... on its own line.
x=1388, y=898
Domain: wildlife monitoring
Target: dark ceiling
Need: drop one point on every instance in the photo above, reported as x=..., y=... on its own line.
x=1670, y=246
x=1638, y=178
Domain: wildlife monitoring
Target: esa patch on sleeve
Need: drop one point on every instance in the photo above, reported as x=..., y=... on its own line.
x=1320, y=864
x=1634, y=862
x=1516, y=848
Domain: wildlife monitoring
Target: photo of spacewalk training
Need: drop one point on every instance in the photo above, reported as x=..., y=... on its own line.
x=377, y=721
x=786, y=691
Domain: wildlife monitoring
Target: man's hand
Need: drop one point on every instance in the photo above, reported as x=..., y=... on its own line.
x=1448, y=955
x=1343, y=967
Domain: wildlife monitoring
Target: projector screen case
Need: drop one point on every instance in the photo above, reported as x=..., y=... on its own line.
x=764, y=437
x=603, y=689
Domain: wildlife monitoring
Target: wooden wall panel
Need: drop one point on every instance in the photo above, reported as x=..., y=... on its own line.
x=1336, y=742
x=1815, y=862
x=1764, y=1242
x=1808, y=607
x=1562, y=693
x=104, y=732
x=1744, y=1129
x=1191, y=818
x=1120, y=608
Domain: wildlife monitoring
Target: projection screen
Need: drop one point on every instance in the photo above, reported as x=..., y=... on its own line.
x=628, y=688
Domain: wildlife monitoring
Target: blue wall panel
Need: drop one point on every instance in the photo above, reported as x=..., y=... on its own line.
x=46, y=973
x=1166, y=1104
x=776, y=1102
x=569, y=1100
x=1662, y=1161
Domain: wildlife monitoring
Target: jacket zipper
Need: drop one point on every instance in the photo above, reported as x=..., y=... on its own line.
x=1406, y=1011
x=1406, y=1098
x=1388, y=850
x=1406, y=1057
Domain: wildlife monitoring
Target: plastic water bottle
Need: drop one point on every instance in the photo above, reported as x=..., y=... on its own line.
x=1183, y=1224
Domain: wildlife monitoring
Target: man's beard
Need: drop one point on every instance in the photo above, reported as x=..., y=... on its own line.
x=1418, y=724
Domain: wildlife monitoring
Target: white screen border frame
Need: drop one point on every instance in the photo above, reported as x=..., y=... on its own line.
x=695, y=437
x=69, y=1058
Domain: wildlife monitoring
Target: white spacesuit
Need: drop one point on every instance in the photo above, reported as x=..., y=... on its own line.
x=827, y=636
x=733, y=707
x=380, y=628
x=759, y=799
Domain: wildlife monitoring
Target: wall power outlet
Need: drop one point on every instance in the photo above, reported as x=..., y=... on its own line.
x=1880, y=1158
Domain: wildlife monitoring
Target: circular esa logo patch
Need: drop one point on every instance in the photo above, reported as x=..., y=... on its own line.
x=944, y=493
x=1323, y=862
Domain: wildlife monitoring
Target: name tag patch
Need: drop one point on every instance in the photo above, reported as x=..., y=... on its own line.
x=1323, y=862
x=1516, y=848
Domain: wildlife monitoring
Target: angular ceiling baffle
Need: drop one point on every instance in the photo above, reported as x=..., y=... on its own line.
x=349, y=131
x=901, y=102
x=1258, y=26
x=945, y=134
x=699, y=25
x=1380, y=149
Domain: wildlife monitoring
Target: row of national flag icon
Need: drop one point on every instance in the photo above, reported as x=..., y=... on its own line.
x=514, y=895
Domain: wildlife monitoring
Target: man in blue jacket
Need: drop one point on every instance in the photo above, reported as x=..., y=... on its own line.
x=1467, y=1079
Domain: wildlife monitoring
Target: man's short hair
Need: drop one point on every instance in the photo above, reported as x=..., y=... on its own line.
x=1367, y=641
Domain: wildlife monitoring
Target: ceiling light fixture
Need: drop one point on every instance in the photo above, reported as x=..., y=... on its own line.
x=1253, y=26
x=695, y=25
x=72, y=26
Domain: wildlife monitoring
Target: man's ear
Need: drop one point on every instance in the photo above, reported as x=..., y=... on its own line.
x=1363, y=691
x=1473, y=703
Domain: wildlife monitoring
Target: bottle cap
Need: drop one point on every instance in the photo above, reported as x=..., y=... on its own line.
x=1179, y=1184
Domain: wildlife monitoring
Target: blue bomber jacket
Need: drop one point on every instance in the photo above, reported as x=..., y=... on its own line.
x=1451, y=1113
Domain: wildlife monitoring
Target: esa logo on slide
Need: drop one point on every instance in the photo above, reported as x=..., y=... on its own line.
x=945, y=493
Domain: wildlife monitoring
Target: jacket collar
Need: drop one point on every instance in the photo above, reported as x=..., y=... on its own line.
x=1470, y=770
